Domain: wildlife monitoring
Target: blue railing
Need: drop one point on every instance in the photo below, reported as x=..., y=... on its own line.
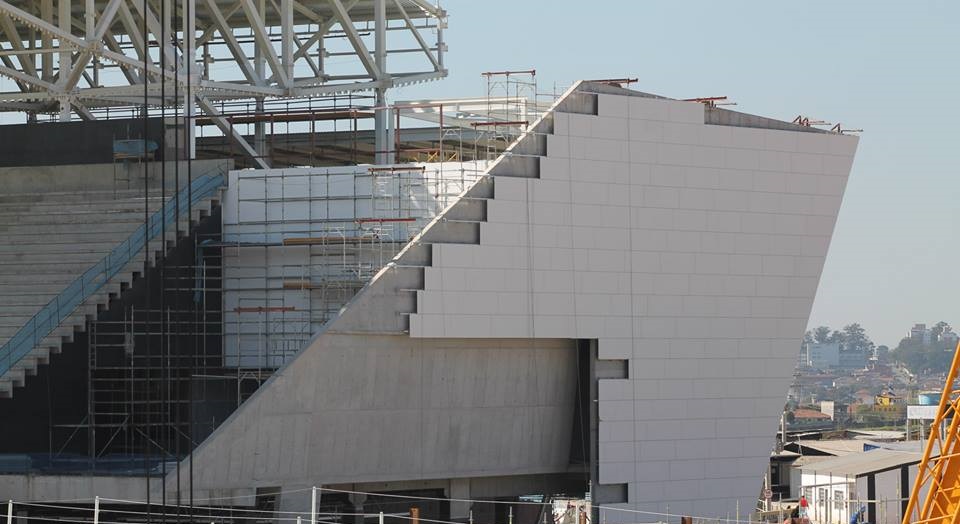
x=94, y=278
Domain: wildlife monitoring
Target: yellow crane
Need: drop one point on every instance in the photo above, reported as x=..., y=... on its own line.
x=935, y=497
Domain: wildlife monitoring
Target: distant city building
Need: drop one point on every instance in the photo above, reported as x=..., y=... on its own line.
x=827, y=407
x=831, y=355
x=852, y=359
x=888, y=399
x=948, y=337
x=834, y=409
x=920, y=333
x=823, y=355
x=808, y=418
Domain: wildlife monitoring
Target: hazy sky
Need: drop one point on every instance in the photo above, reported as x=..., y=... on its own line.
x=890, y=68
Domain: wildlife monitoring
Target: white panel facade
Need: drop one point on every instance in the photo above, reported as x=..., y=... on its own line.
x=692, y=250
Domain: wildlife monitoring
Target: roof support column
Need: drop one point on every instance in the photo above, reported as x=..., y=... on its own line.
x=46, y=42
x=190, y=63
x=381, y=146
x=260, y=68
x=287, y=37
x=63, y=19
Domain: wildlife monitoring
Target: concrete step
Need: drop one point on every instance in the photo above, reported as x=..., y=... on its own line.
x=90, y=257
x=42, y=255
x=60, y=248
x=106, y=226
x=78, y=234
x=72, y=196
x=6, y=388
x=93, y=217
x=58, y=208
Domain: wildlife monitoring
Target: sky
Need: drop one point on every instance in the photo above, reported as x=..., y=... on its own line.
x=887, y=67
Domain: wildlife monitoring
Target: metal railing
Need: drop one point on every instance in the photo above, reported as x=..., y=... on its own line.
x=98, y=275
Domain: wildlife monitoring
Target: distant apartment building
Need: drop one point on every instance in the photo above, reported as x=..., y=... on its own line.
x=831, y=355
x=852, y=359
x=948, y=337
x=823, y=355
x=920, y=333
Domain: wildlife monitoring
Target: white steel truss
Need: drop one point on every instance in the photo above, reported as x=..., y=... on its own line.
x=85, y=57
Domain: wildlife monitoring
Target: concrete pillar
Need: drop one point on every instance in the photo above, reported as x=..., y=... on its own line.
x=358, y=499
x=459, y=489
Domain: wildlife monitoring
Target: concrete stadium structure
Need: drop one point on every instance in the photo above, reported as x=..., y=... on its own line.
x=613, y=303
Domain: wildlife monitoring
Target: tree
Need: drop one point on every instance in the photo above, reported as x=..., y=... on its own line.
x=883, y=352
x=855, y=337
x=808, y=337
x=821, y=335
x=836, y=336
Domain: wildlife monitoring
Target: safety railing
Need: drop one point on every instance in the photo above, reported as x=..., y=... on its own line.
x=98, y=275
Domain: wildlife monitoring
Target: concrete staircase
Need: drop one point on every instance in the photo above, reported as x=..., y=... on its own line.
x=460, y=224
x=51, y=239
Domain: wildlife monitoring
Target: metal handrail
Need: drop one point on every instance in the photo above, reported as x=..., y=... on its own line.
x=98, y=275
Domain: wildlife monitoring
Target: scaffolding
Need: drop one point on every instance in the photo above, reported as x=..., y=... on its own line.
x=299, y=244
x=291, y=248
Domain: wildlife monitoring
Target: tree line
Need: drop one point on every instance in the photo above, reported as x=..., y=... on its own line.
x=852, y=336
x=933, y=356
x=926, y=357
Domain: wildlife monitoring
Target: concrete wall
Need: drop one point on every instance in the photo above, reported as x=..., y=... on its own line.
x=692, y=250
x=356, y=408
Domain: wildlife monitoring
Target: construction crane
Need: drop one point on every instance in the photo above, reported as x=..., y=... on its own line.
x=935, y=497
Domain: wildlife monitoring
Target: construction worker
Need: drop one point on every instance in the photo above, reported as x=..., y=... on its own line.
x=857, y=517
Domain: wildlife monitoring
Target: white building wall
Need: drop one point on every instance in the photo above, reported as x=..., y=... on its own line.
x=691, y=250
x=832, y=496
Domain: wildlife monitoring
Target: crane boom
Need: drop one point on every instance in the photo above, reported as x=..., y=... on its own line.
x=935, y=496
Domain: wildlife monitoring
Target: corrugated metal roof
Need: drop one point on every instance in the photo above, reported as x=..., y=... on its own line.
x=858, y=464
x=832, y=447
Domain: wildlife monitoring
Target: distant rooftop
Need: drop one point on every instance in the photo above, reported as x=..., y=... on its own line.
x=859, y=464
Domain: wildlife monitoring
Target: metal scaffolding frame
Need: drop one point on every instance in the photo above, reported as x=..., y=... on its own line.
x=293, y=273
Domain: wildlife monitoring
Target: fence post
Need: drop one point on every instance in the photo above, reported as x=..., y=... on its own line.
x=9, y=512
x=381, y=518
x=313, y=506
x=96, y=510
x=510, y=516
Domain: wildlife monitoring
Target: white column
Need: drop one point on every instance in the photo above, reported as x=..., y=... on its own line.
x=190, y=68
x=286, y=31
x=380, y=57
x=66, y=61
x=46, y=41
